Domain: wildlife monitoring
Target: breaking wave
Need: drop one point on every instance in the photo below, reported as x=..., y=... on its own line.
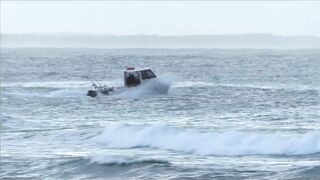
x=209, y=143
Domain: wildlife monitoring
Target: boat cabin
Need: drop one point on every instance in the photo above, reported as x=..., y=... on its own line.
x=133, y=77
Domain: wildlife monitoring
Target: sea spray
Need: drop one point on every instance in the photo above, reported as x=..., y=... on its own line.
x=157, y=86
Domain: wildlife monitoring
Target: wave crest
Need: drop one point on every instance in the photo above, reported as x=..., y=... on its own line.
x=209, y=143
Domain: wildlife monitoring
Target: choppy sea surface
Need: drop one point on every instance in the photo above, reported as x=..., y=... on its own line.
x=229, y=114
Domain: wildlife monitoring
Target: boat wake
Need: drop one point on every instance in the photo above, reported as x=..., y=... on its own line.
x=153, y=87
x=60, y=93
x=183, y=84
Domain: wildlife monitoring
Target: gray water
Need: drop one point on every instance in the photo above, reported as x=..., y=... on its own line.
x=229, y=114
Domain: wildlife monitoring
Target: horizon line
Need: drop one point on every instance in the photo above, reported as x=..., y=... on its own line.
x=141, y=34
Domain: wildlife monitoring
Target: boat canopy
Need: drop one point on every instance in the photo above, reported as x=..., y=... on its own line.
x=134, y=77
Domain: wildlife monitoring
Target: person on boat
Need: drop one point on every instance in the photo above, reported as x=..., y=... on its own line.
x=131, y=81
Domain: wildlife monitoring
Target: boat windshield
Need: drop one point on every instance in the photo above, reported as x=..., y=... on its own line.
x=147, y=74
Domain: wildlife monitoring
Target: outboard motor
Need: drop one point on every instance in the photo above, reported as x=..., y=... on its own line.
x=92, y=93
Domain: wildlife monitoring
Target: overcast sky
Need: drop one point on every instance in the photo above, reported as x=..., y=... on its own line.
x=162, y=18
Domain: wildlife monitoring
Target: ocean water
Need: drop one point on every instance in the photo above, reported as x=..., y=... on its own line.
x=229, y=114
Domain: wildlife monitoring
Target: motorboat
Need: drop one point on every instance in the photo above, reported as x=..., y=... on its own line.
x=135, y=80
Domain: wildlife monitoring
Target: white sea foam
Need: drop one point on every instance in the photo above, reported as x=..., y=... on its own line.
x=209, y=143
